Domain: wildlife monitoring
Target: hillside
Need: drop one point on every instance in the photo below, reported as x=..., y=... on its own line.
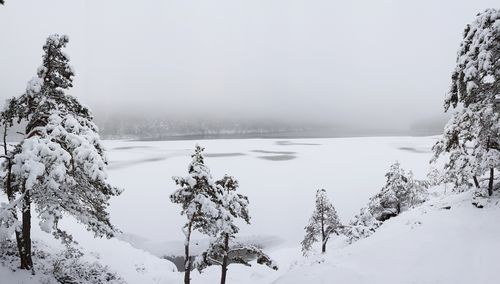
x=429, y=244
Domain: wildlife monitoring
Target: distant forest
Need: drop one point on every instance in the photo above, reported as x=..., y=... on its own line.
x=125, y=126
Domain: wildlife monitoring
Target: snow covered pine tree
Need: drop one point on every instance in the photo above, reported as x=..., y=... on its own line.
x=323, y=223
x=59, y=166
x=200, y=202
x=221, y=251
x=400, y=192
x=472, y=136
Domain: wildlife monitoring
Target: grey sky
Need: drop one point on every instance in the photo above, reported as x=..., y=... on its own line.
x=366, y=62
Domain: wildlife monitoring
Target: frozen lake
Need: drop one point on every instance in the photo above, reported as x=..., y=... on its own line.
x=270, y=171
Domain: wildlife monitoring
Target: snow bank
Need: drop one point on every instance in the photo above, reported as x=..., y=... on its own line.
x=429, y=244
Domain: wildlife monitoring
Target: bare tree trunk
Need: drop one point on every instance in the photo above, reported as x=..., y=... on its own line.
x=11, y=197
x=490, y=183
x=26, y=261
x=187, y=259
x=492, y=172
x=476, y=182
x=323, y=235
x=225, y=259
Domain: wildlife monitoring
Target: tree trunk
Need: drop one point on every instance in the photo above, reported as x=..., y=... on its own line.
x=26, y=261
x=476, y=182
x=490, y=183
x=187, y=259
x=323, y=235
x=225, y=260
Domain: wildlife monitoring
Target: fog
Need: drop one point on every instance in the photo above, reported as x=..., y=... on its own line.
x=367, y=64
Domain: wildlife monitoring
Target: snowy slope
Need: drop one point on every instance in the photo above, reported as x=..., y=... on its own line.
x=426, y=245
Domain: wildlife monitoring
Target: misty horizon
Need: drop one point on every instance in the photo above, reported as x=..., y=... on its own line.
x=371, y=68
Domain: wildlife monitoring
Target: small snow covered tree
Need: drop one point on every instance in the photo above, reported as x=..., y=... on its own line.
x=60, y=165
x=400, y=192
x=471, y=138
x=323, y=223
x=363, y=225
x=222, y=249
x=200, y=201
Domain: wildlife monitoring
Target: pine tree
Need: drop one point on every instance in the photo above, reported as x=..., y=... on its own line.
x=323, y=223
x=400, y=192
x=59, y=166
x=471, y=138
x=364, y=224
x=222, y=249
x=200, y=201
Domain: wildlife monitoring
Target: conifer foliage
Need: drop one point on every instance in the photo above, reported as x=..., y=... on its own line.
x=323, y=223
x=223, y=250
x=212, y=207
x=471, y=139
x=60, y=165
x=200, y=201
x=400, y=192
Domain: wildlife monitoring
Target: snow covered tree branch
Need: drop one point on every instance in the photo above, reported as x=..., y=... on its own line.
x=60, y=164
x=322, y=224
x=471, y=139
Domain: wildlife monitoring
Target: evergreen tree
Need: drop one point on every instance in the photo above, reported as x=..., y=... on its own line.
x=222, y=249
x=323, y=223
x=364, y=224
x=200, y=200
x=400, y=192
x=59, y=166
x=471, y=138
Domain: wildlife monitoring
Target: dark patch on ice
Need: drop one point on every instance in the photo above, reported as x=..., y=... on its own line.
x=278, y=157
x=289, y=143
x=217, y=155
x=274, y=152
x=131, y=147
x=263, y=242
x=414, y=150
x=178, y=261
x=121, y=165
x=174, y=250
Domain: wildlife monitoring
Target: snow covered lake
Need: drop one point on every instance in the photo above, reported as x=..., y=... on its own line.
x=279, y=176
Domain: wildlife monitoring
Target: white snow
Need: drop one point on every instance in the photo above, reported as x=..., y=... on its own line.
x=425, y=245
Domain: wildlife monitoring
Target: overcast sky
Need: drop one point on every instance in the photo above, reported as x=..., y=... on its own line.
x=367, y=62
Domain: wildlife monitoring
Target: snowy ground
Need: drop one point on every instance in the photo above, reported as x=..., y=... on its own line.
x=429, y=244
x=280, y=177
